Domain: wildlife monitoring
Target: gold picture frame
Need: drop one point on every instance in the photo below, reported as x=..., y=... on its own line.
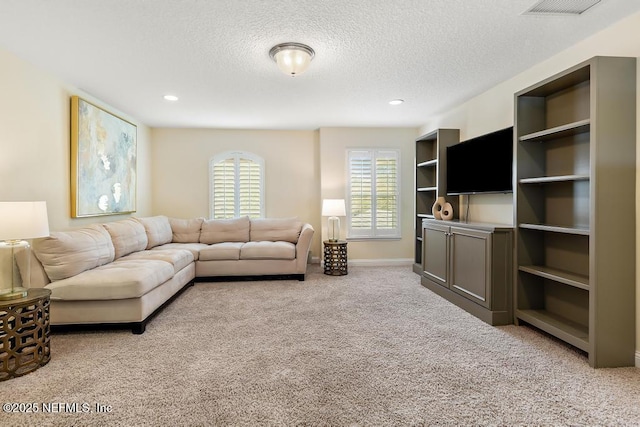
x=103, y=162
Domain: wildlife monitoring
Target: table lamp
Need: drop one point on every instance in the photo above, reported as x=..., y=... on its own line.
x=333, y=208
x=19, y=221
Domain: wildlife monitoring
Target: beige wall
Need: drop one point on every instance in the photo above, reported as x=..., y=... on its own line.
x=333, y=145
x=301, y=168
x=493, y=110
x=181, y=165
x=35, y=142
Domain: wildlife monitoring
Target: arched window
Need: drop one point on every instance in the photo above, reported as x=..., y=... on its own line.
x=236, y=185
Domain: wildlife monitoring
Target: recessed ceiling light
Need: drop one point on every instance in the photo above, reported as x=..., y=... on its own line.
x=170, y=97
x=396, y=102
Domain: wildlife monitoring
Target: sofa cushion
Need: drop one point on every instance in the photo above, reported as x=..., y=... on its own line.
x=268, y=250
x=158, y=230
x=127, y=235
x=194, y=248
x=116, y=280
x=220, y=251
x=186, y=230
x=225, y=230
x=67, y=253
x=275, y=229
x=178, y=258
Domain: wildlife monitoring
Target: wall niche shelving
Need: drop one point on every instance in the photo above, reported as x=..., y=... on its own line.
x=430, y=180
x=575, y=208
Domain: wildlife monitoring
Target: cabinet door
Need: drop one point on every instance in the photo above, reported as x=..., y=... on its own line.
x=471, y=264
x=435, y=244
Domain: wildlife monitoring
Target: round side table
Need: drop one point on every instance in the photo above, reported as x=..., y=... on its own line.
x=335, y=257
x=24, y=334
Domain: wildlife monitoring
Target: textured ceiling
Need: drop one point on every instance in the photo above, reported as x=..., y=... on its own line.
x=214, y=55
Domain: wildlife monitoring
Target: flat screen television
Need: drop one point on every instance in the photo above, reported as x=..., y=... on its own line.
x=481, y=165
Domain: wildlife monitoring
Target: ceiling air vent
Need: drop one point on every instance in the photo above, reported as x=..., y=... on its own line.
x=561, y=7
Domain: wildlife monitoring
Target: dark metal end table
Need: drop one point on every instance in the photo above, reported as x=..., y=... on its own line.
x=335, y=257
x=24, y=334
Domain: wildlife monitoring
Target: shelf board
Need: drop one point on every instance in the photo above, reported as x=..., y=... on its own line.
x=556, y=229
x=567, y=330
x=559, y=178
x=427, y=163
x=430, y=216
x=559, y=83
x=561, y=276
x=563, y=131
x=427, y=189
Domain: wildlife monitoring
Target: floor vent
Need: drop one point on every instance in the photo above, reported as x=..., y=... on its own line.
x=561, y=7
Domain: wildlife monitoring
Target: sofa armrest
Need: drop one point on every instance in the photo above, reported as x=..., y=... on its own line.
x=302, y=248
x=27, y=260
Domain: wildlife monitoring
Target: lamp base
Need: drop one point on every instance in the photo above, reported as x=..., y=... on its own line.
x=15, y=282
x=14, y=293
x=333, y=227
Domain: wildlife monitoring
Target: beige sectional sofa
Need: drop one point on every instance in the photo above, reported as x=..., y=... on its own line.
x=123, y=272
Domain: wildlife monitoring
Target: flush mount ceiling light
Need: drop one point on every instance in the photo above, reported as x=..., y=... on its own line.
x=292, y=58
x=396, y=101
x=170, y=98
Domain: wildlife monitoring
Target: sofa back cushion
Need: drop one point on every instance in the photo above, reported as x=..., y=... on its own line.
x=225, y=230
x=186, y=230
x=275, y=229
x=68, y=253
x=158, y=230
x=127, y=236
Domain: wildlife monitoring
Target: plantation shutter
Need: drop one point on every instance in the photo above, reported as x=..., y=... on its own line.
x=360, y=193
x=237, y=185
x=224, y=189
x=386, y=192
x=373, y=193
x=250, y=186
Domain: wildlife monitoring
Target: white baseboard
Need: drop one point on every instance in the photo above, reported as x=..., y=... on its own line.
x=390, y=262
x=638, y=359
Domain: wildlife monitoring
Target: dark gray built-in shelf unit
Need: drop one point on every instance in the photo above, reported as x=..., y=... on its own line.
x=431, y=176
x=575, y=137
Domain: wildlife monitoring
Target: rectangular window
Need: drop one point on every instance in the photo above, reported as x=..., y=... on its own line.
x=373, y=206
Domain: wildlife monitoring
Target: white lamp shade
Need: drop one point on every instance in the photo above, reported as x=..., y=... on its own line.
x=333, y=207
x=23, y=220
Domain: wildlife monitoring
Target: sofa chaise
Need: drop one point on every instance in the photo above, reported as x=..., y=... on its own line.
x=122, y=273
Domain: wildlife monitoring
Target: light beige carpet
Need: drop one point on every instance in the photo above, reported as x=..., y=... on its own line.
x=371, y=348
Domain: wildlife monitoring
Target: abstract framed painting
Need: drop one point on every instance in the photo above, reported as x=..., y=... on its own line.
x=103, y=161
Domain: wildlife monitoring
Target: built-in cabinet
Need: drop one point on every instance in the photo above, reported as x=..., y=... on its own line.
x=470, y=264
x=574, y=208
x=430, y=180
